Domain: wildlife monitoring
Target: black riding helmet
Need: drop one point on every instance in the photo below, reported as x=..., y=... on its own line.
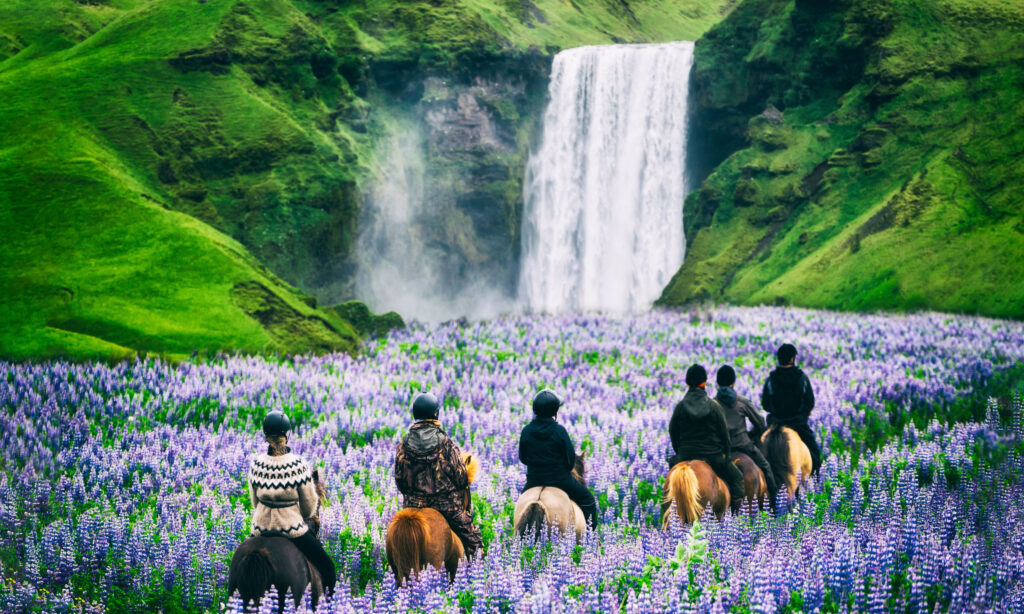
x=546, y=404
x=425, y=407
x=276, y=424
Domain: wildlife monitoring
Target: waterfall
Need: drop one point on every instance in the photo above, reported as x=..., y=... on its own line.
x=404, y=262
x=603, y=212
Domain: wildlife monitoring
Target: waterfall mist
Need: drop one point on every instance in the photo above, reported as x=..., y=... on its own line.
x=405, y=260
x=603, y=197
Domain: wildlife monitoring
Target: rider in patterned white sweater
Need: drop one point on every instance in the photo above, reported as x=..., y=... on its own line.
x=284, y=497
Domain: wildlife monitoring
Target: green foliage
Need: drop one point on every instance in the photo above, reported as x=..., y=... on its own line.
x=161, y=164
x=870, y=157
x=367, y=323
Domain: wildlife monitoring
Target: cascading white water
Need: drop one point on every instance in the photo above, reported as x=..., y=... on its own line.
x=603, y=221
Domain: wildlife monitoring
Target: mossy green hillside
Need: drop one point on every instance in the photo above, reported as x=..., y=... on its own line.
x=157, y=154
x=877, y=157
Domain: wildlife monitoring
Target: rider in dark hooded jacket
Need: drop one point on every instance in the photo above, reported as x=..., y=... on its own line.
x=788, y=398
x=549, y=455
x=738, y=409
x=698, y=431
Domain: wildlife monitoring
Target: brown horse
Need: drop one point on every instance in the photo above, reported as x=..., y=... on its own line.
x=418, y=537
x=271, y=559
x=692, y=485
x=788, y=456
x=755, y=487
x=548, y=507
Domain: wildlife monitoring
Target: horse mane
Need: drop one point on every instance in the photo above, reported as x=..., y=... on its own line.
x=776, y=448
x=579, y=470
x=472, y=466
x=683, y=488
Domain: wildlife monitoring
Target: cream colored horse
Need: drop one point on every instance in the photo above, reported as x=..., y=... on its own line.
x=788, y=456
x=547, y=507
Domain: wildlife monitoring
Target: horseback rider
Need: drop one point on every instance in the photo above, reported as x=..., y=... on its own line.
x=788, y=398
x=549, y=455
x=284, y=497
x=737, y=410
x=699, y=431
x=430, y=472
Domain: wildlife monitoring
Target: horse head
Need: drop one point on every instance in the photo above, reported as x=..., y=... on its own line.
x=472, y=464
x=579, y=470
x=321, y=498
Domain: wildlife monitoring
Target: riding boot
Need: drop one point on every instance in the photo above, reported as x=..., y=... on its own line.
x=731, y=475
x=461, y=522
x=582, y=496
x=314, y=551
x=755, y=455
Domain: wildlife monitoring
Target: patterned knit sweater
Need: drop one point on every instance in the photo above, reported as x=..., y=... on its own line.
x=283, y=494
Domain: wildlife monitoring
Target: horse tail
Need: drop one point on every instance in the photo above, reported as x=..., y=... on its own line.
x=683, y=488
x=256, y=574
x=776, y=447
x=534, y=518
x=406, y=538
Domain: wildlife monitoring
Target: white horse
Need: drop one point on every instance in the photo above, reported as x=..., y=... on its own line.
x=546, y=507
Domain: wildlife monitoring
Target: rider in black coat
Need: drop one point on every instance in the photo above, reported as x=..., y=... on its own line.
x=789, y=398
x=698, y=431
x=549, y=455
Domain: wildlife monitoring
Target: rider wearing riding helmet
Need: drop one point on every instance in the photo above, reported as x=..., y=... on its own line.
x=430, y=472
x=549, y=455
x=284, y=497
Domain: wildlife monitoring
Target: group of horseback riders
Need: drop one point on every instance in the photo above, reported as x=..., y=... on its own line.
x=431, y=472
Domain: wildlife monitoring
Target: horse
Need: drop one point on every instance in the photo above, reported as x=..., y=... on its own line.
x=417, y=537
x=692, y=485
x=755, y=487
x=547, y=506
x=788, y=456
x=271, y=559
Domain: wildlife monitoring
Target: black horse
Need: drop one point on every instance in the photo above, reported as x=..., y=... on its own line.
x=271, y=559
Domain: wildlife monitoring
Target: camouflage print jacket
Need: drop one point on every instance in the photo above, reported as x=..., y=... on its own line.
x=428, y=464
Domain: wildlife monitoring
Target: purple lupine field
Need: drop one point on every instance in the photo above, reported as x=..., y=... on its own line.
x=123, y=488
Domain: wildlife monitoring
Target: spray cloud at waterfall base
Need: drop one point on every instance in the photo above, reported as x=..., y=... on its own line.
x=406, y=263
x=602, y=225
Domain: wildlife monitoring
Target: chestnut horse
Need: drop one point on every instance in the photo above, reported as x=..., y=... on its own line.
x=548, y=507
x=755, y=487
x=418, y=537
x=788, y=456
x=271, y=559
x=692, y=485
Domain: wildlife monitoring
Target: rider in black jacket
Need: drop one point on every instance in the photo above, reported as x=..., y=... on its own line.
x=788, y=398
x=549, y=456
x=698, y=431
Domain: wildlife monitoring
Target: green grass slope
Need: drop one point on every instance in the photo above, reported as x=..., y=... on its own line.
x=165, y=164
x=877, y=157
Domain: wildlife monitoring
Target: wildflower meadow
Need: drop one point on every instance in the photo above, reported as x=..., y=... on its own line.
x=122, y=487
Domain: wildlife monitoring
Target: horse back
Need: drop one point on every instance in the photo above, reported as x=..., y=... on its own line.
x=754, y=485
x=264, y=561
x=559, y=509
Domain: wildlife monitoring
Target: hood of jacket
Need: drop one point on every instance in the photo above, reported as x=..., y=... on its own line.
x=424, y=438
x=544, y=429
x=786, y=375
x=696, y=403
x=726, y=395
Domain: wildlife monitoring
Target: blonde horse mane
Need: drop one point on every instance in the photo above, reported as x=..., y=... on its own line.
x=472, y=466
x=682, y=487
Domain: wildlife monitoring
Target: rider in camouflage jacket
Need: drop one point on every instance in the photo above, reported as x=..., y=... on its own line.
x=430, y=472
